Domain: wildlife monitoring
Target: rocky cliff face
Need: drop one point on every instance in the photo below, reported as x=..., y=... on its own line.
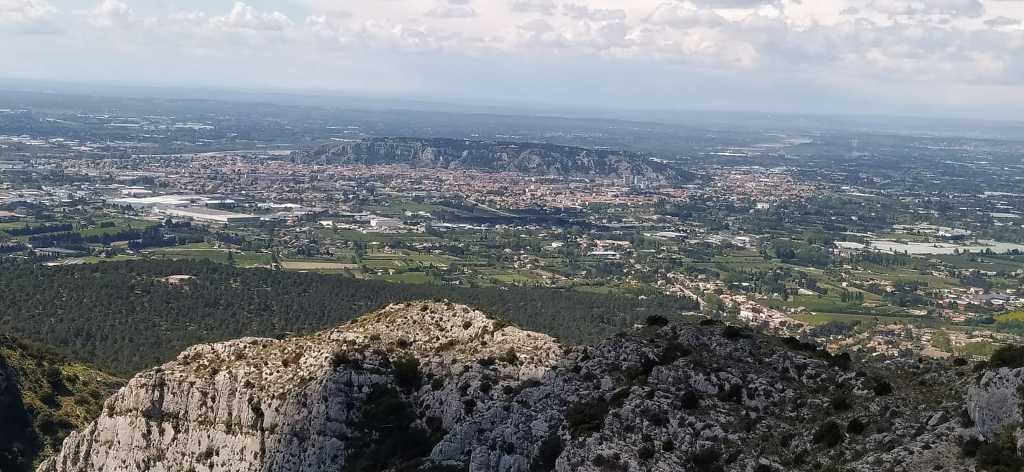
x=529, y=158
x=441, y=387
x=996, y=403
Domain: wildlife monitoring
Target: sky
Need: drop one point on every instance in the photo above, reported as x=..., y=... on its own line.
x=941, y=58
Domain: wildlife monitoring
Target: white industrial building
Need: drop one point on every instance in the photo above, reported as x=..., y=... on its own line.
x=209, y=215
x=136, y=192
x=141, y=203
x=385, y=224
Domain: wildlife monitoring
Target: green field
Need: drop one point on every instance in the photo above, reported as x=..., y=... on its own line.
x=317, y=265
x=201, y=252
x=120, y=224
x=993, y=263
x=509, y=277
x=23, y=223
x=832, y=304
x=1011, y=316
x=405, y=260
x=409, y=278
x=980, y=349
x=350, y=235
x=867, y=321
x=94, y=259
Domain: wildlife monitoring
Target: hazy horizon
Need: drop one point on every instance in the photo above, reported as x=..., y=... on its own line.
x=935, y=58
x=343, y=100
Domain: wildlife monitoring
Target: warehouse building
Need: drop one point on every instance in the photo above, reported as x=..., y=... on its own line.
x=385, y=224
x=208, y=215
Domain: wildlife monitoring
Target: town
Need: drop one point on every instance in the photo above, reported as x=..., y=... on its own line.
x=866, y=267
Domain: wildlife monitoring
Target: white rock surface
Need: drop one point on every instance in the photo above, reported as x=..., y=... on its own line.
x=996, y=403
x=496, y=398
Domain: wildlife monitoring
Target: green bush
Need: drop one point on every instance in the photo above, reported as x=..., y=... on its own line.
x=385, y=434
x=829, y=434
x=672, y=352
x=842, y=361
x=19, y=442
x=657, y=320
x=797, y=345
x=882, y=388
x=610, y=463
x=689, y=400
x=509, y=357
x=707, y=460
x=841, y=402
x=734, y=332
x=487, y=361
x=645, y=452
x=407, y=373
x=733, y=394
x=1000, y=455
x=969, y=448
x=965, y=419
x=856, y=426
x=1007, y=356
x=547, y=453
x=586, y=417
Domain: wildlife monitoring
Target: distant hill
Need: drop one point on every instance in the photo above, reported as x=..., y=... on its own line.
x=527, y=158
x=43, y=397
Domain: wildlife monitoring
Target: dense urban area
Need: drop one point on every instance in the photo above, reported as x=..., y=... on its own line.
x=892, y=245
x=131, y=229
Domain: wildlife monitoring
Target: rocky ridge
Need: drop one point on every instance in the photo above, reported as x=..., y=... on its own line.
x=528, y=158
x=434, y=386
x=996, y=405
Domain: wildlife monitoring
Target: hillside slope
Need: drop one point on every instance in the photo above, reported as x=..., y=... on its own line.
x=42, y=399
x=434, y=386
x=528, y=158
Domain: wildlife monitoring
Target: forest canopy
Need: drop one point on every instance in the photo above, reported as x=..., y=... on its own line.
x=127, y=316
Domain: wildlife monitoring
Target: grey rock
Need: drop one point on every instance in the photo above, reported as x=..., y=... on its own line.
x=663, y=399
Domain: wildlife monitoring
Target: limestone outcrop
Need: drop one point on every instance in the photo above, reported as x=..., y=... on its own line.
x=434, y=386
x=528, y=158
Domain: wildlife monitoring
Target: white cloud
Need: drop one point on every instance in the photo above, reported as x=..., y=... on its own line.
x=111, y=13
x=952, y=42
x=914, y=8
x=452, y=11
x=545, y=7
x=583, y=12
x=734, y=3
x=684, y=15
x=245, y=17
x=29, y=16
x=1002, y=21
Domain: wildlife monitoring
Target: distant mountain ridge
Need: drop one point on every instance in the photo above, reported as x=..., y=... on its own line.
x=527, y=158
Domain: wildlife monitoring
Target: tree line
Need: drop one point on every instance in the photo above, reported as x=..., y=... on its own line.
x=123, y=317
